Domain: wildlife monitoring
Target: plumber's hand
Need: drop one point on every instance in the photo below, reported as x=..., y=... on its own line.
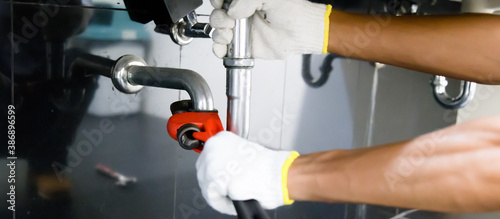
x=232, y=168
x=280, y=28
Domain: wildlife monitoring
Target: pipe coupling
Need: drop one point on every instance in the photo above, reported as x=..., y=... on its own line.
x=119, y=73
x=239, y=63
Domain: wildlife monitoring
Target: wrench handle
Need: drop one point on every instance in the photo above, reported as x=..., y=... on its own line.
x=250, y=209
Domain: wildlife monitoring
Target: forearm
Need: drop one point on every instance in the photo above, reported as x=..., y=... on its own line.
x=459, y=46
x=452, y=170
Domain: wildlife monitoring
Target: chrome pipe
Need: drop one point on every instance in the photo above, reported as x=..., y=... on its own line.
x=129, y=74
x=467, y=91
x=238, y=101
x=182, y=79
x=239, y=64
x=240, y=46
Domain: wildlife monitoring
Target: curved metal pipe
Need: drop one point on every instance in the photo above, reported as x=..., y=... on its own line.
x=129, y=73
x=467, y=90
x=182, y=79
x=325, y=69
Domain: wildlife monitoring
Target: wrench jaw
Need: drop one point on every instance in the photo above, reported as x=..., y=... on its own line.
x=191, y=129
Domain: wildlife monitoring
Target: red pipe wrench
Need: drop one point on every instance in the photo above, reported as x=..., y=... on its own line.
x=192, y=129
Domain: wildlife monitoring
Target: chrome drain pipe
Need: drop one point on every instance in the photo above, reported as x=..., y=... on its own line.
x=239, y=64
x=467, y=91
x=130, y=73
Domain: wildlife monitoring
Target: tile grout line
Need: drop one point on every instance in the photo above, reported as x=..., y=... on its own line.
x=177, y=148
x=282, y=111
x=362, y=209
x=373, y=102
x=283, y=105
x=347, y=206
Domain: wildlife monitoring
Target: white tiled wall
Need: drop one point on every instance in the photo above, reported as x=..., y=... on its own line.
x=486, y=102
x=323, y=118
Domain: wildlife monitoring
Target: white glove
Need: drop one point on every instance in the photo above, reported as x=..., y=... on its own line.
x=232, y=168
x=280, y=28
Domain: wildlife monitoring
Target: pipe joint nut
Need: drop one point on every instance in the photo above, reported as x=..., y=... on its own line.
x=120, y=76
x=239, y=63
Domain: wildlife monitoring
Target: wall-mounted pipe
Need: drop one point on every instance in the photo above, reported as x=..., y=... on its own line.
x=129, y=73
x=467, y=90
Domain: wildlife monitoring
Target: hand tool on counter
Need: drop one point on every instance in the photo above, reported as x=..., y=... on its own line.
x=122, y=180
